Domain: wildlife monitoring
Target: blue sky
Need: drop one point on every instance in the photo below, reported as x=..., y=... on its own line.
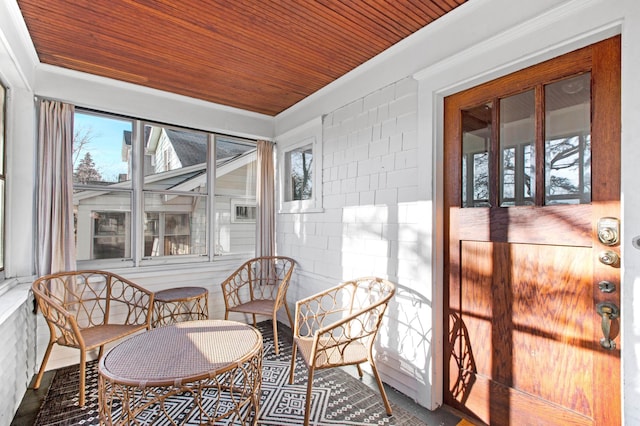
x=106, y=142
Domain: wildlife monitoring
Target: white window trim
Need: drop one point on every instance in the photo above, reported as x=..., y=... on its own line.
x=309, y=133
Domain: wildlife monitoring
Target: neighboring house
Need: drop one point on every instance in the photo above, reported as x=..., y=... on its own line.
x=378, y=138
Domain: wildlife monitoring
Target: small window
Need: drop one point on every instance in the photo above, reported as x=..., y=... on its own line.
x=300, y=168
x=243, y=211
x=299, y=173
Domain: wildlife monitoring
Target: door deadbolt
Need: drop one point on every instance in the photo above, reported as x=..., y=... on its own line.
x=609, y=231
x=606, y=286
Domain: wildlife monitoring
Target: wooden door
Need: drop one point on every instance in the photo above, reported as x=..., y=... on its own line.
x=532, y=163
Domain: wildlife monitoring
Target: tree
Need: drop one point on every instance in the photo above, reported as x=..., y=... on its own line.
x=86, y=171
x=301, y=174
x=82, y=137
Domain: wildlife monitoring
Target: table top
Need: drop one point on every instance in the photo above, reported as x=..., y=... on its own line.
x=181, y=353
x=177, y=293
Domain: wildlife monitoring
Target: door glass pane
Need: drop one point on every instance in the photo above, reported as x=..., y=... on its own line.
x=476, y=140
x=517, y=137
x=568, y=141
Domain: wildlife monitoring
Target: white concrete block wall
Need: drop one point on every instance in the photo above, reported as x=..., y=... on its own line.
x=372, y=224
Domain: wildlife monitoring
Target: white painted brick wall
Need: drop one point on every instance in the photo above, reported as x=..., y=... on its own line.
x=17, y=357
x=371, y=222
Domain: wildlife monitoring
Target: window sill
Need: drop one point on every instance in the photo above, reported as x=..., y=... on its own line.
x=11, y=299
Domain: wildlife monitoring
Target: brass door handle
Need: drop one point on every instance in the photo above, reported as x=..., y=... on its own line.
x=608, y=311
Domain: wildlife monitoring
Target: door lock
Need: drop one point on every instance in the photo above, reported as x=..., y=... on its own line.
x=609, y=257
x=609, y=231
x=606, y=286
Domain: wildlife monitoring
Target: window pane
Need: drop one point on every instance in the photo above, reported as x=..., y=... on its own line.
x=299, y=166
x=174, y=225
x=568, y=141
x=476, y=140
x=175, y=159
x=109, y=234
x=517, y=140
x=235, y=189
x=101, y=150
x=102, y=224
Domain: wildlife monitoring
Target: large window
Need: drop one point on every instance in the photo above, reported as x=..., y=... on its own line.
x=142, y=191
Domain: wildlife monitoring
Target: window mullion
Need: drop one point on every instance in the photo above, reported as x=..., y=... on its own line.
x=137, y=201
x=211, y=198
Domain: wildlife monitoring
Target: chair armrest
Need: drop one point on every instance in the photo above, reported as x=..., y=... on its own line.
x=236, y=289
x=137, y=300
x=62, y=323
x=313, y=312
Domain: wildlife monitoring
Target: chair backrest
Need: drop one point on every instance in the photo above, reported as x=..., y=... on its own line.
x=352, y=310
x=75, y=300
x=268, y=277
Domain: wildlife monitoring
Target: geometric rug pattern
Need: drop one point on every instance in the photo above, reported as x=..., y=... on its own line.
x=338, y=397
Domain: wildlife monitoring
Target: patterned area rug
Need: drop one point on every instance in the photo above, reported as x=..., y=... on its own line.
x=338, y=397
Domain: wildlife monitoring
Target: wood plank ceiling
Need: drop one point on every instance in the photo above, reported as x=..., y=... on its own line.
x=257, y=55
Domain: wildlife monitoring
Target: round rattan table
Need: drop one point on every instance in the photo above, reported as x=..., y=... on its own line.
x=180, y=304
x=211, y=369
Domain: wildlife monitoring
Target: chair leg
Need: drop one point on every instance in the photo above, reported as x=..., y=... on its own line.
x=254, y=320
x=286, y=307
x=294, y=350
x=275, y=334
x=307, y=409
x=387, y=406
x=83, y=371
x=47, y=353
x=100, y=352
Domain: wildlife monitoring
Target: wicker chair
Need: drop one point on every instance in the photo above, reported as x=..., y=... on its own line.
x=88, y=309
x=337, y=327
x=259, y=287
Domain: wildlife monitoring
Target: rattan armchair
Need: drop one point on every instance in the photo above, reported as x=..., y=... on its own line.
x=88, y=309
x=259, y=287
x=337, y=327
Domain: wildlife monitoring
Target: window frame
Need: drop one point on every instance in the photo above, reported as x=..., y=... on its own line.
x=309, y=133
x=4, y=96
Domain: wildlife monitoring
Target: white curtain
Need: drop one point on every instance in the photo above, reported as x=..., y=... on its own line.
x=265, y=199
x=56, y=246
